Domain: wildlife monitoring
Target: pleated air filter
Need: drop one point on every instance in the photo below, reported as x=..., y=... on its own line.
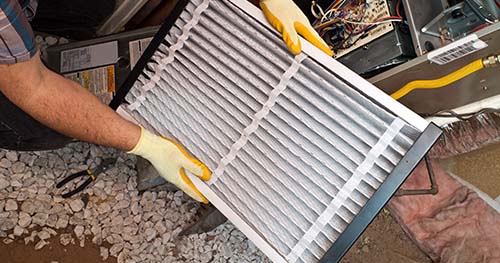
x=304, y=152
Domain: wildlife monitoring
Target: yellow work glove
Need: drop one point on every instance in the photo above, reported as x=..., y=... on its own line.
x=289, y=20
x=170, y=159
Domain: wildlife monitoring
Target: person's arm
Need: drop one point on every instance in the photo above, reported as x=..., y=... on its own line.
x=68, y=108
x=65, y=106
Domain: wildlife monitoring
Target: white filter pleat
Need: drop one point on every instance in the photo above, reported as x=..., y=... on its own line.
x=296, y=151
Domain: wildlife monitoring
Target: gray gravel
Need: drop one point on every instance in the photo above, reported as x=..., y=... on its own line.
x=127, y=225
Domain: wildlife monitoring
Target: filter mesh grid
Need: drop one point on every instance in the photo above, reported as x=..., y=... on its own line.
x=316, y=156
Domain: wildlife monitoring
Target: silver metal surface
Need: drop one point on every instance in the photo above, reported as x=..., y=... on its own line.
x=124, y=11
x=475, y=87
x=419, y=13
x=450, y=27
x=487, y=9
x=492, y=7
x=296, y=148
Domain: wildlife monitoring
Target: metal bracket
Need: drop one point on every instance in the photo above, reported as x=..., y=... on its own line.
x=431, y=191
x=209, y=220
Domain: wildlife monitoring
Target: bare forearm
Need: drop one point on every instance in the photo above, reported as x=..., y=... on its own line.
x=70, y=109
x=66, y=107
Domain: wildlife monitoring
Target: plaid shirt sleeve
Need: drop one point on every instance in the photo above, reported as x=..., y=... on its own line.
x=17, y=41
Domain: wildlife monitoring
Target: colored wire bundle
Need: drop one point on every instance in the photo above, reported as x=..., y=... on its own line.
x=344, y=22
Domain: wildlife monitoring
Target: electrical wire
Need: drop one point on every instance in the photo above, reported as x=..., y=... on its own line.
x=397, y=18
x=352, y=30
x=346, y=18
x=338, y=4
x=388, y=20
x=318, y=7
x=330, y=22
x=397, y=9
x=377, y=22
x=325, y=15
x=462, y=116
x=481, y=26
x=334, y=7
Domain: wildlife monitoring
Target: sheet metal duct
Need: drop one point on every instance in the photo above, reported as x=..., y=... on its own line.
x=304, y=152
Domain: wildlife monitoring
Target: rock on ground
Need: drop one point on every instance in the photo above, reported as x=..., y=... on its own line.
x=10, y=205
x=136, y=227
x=76, y=205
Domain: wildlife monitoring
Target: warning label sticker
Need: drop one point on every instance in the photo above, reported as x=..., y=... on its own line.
x=99, y=81
x=136, y=48
x=89, y=57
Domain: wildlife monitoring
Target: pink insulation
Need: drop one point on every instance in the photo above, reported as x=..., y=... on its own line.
x=454, y=226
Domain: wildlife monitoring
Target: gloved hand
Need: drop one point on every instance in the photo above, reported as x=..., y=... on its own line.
x=289, y=20
x=170, y=159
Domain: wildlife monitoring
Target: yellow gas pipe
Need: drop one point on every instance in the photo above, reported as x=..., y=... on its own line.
x=472, y=67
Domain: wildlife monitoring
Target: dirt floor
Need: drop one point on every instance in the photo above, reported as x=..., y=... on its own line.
x=18, y=252
x=385, y=242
